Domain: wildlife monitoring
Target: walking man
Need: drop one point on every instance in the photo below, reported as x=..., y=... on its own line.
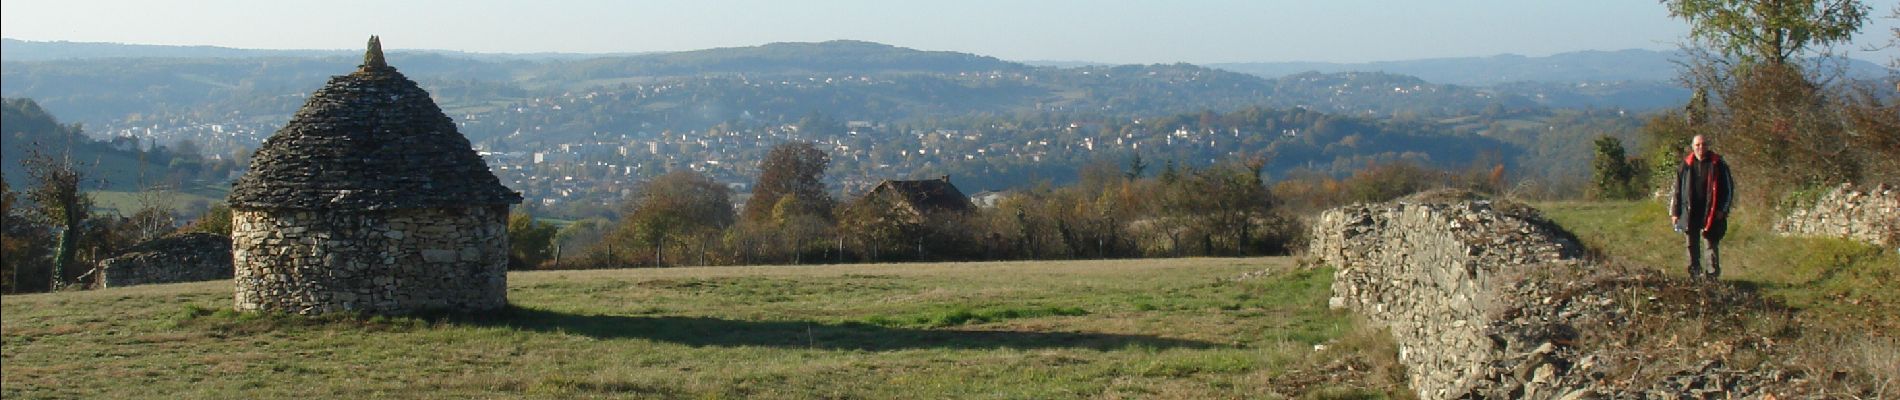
x=1699, y=208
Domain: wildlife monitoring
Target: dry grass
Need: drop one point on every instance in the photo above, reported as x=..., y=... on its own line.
x=1100, y=329
x=1823, y=307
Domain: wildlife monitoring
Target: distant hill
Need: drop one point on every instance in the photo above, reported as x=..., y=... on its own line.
x=1573, y=67
x=23, y=50
x=1001, y=124
x=833, y=57
x=118, y=164
x=26, y=128
x=693, y=89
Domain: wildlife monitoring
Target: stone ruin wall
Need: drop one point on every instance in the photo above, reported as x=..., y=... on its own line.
x=1436, y=275
x=1869, y=215
x=381, y=262
x=191, y=257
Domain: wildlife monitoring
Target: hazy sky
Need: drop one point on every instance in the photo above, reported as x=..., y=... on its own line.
x=1196, y=31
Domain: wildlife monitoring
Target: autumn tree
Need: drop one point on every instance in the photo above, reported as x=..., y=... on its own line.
x=1760, y=104
x=59, y=202
x=789, y=208
x=530, y=242
x=1769, y=31
x=1222, y=206
x=792, y=169
x=216, y=220
x=682, y=209
x=23, y=244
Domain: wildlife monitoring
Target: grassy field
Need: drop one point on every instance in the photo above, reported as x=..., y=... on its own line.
x=1189, y=329
x=128, y=202
x=1837, y=282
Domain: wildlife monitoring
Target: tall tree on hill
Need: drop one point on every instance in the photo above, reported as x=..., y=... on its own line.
x=1766, y=109
x=792, y=169
x=59, y=202
x=1769, y=31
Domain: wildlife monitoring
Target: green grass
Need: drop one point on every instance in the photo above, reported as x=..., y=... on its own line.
x=1101, y=329
x=127, y=203
x=1839, y=282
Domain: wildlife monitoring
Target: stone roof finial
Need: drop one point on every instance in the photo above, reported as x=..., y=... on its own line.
x=374, y=57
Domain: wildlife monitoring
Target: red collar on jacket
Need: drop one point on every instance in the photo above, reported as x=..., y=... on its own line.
x=1714, y=190
x=1690, y=159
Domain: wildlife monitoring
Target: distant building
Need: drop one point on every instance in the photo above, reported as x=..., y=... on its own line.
x=987, y=198
x=917, y=199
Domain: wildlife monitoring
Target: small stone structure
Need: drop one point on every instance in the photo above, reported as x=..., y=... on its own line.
x=190, y=257
x=369, y=200
x=1871, y=215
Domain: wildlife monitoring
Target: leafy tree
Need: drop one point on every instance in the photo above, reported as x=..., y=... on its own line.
x=877, y=228
x=530, y=242
x=681, y=208
x=23, y=244
x=790, y=170
x=1769, y=31
x=60, y=203
x=1613, y=172
x=797, y=226
x=1220, y=205
x=1765, y=111
x=216, y=219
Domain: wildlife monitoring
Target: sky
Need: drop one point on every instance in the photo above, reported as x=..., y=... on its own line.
x=1131, y=31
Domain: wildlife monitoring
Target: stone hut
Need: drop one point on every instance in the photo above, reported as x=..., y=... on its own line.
x=369, y=200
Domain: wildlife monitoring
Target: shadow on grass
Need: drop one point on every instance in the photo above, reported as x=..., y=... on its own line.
x=703, y=331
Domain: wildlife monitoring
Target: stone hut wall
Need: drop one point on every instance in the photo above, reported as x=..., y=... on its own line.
x=189, y=257
x=381, y=262
x=1869, y=215
x=1437, y=274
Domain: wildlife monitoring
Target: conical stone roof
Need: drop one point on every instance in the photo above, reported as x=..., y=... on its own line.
x=370, y=140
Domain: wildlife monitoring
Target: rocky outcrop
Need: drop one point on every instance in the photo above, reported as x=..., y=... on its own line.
x=190, y=257
x=1865, y=214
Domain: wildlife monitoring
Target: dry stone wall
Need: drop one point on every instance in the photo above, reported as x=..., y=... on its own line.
x=379, y=262
x=1869, y=215
x=1435, y=273
x=1490, y=300
x=190, y=257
